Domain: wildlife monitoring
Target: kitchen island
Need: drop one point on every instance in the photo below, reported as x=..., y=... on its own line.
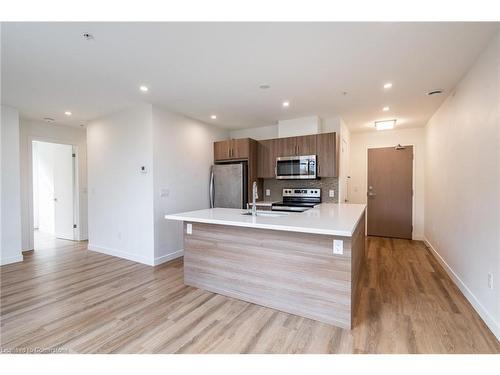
x=307, y=264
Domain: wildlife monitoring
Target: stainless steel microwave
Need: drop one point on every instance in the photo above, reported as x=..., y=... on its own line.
x=296, y=167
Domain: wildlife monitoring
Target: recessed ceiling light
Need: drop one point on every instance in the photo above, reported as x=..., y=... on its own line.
x=435, y=92
x=286, y=104
x=213, y=117
x=385, y=125
x=388, y=85
x=144, y=88
x=48, y=119
x=385, y=109
x=264, y=86
x=68, y=113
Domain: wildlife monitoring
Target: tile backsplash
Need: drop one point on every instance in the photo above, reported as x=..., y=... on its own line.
x=325, y=184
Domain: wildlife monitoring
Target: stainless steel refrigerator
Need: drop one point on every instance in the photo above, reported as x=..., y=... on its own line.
x=228, y=185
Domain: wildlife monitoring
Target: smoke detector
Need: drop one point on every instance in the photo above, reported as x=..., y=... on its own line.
x=49, y=120
x=88, y=36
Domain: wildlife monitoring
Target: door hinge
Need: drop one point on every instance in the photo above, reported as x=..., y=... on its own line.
x=74, y=155
x=74, y=225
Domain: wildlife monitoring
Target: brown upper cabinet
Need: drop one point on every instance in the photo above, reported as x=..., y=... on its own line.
x=267, y=152
x=292, y=146
x=232, y=149
x=327, y=155
x=222, y=150
x=325, y=146
x=240, y=148
x=306, y=145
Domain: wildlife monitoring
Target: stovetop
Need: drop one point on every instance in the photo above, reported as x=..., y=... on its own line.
x=299, y=199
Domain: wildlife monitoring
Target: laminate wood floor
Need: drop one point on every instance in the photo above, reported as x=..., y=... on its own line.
x=64, y=298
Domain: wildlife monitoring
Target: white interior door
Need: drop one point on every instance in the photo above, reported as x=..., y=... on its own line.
x=63, y=191
x=43, y=188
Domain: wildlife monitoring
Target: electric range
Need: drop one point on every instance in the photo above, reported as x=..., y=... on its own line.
x=298, y=200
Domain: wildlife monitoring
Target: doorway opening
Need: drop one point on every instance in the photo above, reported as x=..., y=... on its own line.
x=390, y=192
x=54, y=193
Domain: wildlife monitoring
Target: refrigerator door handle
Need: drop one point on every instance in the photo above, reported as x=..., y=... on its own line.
x=212, y=192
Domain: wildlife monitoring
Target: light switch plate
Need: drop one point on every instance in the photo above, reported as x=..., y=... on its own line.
x=189, y=228
x=164, y=193
x=331, y=193
x=268, y=192
x=338, y=247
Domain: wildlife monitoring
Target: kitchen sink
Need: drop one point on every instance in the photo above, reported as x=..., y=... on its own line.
x=266, y=214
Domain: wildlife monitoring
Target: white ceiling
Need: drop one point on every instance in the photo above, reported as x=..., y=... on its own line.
x=198, y=69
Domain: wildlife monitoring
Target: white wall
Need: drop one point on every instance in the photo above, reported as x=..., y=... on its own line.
x=127, y=207
x=296, y=127
x=183, y=154
x=360, y=142
x=462, y=187
x=261, y=132
x=299, y=126
x=10, y=239
x=120, y=199
x=344, y=163
x=31, y=130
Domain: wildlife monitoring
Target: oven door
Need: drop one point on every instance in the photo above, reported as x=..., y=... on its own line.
x=296, y=167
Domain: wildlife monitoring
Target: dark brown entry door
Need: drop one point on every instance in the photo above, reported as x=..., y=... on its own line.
x=390, y=191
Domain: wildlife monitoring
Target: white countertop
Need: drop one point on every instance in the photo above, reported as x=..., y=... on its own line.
x=326, y=218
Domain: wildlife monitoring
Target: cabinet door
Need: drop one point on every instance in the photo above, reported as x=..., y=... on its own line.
x=287, y=146
x=327, y=153
x=222, y=150
x=267, y=151
x=306, y=145
x=240, y=148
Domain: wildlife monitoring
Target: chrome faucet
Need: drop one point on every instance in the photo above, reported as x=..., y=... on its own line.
x=255, y=196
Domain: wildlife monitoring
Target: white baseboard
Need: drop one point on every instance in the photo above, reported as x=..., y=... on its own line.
x=135, y=258
x=120, y=254
x=9, y=260
x=483, y=313
x=166, y=258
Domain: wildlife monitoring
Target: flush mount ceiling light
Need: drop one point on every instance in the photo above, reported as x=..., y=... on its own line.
x=385, y=125
x=213, y=117
x=49, y=119
x=388, y=85
x=435, y=92
x=68, y=113
x=286, y=104
x=264, y=86
x=144, y=88
x=385, y=109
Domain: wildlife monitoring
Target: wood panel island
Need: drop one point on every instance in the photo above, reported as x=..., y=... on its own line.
x=306, y=264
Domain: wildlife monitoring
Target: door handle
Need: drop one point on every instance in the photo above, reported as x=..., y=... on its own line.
x=371, y=194
x=211, y=189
